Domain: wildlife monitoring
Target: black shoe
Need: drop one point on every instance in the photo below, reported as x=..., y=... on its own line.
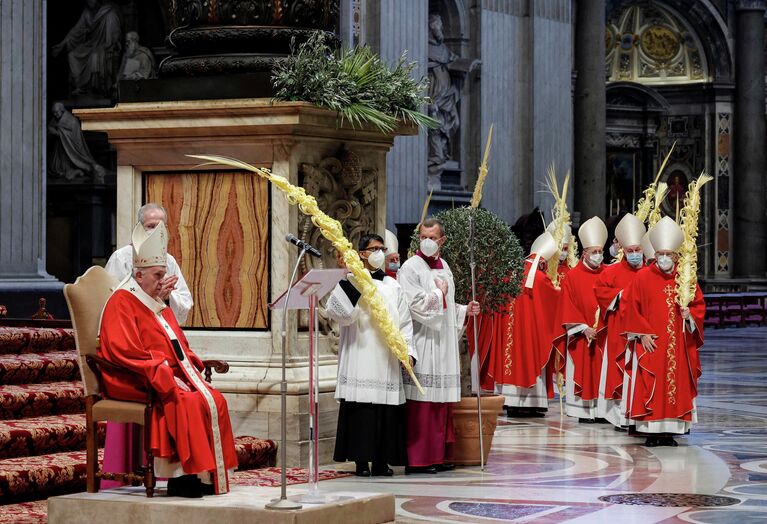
x=208, y=489
x=381, y=471
x=667, y=441
x=409, y=470
x=621, y=428
x=444, y=467
x=600, y=420
x=187, y=486
x=651, y=442
x=362, y=469
x=586, y=421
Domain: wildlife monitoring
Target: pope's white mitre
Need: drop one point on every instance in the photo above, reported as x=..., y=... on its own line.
x=630, y=231
x=592, y=233
x=390, y=242
x=150, y=248
x=666, y=235
x=647, y=250
x=544, y=245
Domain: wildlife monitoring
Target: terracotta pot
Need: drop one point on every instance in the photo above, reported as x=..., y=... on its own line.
x=465, y=450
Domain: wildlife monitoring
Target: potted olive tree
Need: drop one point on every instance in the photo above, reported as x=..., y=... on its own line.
x=498, y=268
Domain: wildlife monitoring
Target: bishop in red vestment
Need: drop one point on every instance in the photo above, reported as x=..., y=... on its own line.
x=523, y=373
x=667, y=360
x=579, y=317
x=191, y=433
x=610, y=294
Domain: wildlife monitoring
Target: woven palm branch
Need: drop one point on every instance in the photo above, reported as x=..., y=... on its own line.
x=687, y=272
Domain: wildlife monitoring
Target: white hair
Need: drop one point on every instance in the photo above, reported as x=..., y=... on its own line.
x=149, y=207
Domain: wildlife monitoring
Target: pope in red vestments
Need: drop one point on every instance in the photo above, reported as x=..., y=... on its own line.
x=523, y=373
x=191, y=433
x=610, y=294
x=579, y=317
x=667, y=360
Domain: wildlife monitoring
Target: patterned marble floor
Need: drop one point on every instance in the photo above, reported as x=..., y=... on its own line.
x=550, y=470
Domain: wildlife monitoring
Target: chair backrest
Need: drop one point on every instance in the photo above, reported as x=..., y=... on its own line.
x=86, y=299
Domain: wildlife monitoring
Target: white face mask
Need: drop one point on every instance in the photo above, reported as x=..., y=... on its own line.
x=562, y=256
x=613, y=250
x=393, y=266
x=429, y=247
x=665, y=262
x=596, y=258
x=376, y=259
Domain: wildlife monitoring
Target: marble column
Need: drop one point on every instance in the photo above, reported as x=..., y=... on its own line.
x=750, y=222
x=22, y=155
x=590, y=110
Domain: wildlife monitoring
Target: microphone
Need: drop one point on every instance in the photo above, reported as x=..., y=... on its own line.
x=313, y=251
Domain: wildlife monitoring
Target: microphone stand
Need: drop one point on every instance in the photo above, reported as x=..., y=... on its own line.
x=472, y=265
x=283, y=502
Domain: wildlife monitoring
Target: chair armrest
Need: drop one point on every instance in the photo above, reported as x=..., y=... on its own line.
x=97, y=363
x=219, y=366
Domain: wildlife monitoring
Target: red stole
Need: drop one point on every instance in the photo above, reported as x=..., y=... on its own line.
x=578, y=305
x=614, y=279
x=666, y=380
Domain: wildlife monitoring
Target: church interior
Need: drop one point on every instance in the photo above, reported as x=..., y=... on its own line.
x=335, y=123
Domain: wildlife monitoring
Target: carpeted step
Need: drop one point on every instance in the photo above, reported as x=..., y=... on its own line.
x=28, y=368
x=255, y=453
x=35, y=340
x=39, y=400
x=39, y=435
x=30, y=478
x=35, y=512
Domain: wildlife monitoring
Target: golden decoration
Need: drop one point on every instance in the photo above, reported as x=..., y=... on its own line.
x=572, y=252
x=477, y=196
x=687, y=269
x=560, y=218
x=671, y=348
x=660, y=195
x=660, y=43
x=509, y=340
x=332, y=230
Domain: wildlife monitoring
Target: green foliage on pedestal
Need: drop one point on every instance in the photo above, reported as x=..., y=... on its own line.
x=355, y=82
x=497, y=254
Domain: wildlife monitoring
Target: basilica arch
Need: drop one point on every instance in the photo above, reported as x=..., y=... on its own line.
x=668, y=70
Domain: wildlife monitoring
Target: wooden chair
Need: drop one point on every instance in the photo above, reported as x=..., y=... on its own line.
x=86, y=299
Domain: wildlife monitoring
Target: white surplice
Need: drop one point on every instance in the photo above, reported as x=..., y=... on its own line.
x=120, y=265
x=436, y=330
x=367, y=370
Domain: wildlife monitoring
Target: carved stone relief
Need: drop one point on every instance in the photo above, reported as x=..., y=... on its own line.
x=346, y=191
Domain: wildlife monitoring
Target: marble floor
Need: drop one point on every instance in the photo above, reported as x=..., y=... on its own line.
x=551, y=470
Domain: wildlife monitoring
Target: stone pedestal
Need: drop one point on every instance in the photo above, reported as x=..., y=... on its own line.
x=153, y=139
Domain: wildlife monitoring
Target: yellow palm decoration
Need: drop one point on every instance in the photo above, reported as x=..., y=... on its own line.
x=332, y=230
x=687, y=272
x=476, y=198
x=560, y=218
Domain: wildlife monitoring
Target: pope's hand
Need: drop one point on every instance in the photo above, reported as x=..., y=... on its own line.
x=168, y=285
x=685, y=311
x=181, y=384
x=590, y=333
x=648, y=342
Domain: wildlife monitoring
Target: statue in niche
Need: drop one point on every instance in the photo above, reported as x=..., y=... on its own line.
x=138, y=61
x=71, y=159
x=446, y=74
x=93, y=49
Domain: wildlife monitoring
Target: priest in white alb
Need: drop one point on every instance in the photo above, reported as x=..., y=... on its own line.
x=437, y=324
x=175, y=291
x=371, y=415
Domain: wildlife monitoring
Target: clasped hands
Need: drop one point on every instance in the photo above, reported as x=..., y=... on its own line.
x=168, y=285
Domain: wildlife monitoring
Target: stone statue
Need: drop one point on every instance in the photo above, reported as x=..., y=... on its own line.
x=71, y=158
x=444, y=94
x=93, y=49
x=138, y=62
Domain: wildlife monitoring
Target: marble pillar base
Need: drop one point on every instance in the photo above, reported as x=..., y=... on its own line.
x=242, y=504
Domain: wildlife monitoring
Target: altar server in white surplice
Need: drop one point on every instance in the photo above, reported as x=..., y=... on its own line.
x=371, y=417
x=437, y=324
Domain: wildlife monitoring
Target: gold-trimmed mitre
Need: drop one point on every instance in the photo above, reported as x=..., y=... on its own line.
x=150, y=248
